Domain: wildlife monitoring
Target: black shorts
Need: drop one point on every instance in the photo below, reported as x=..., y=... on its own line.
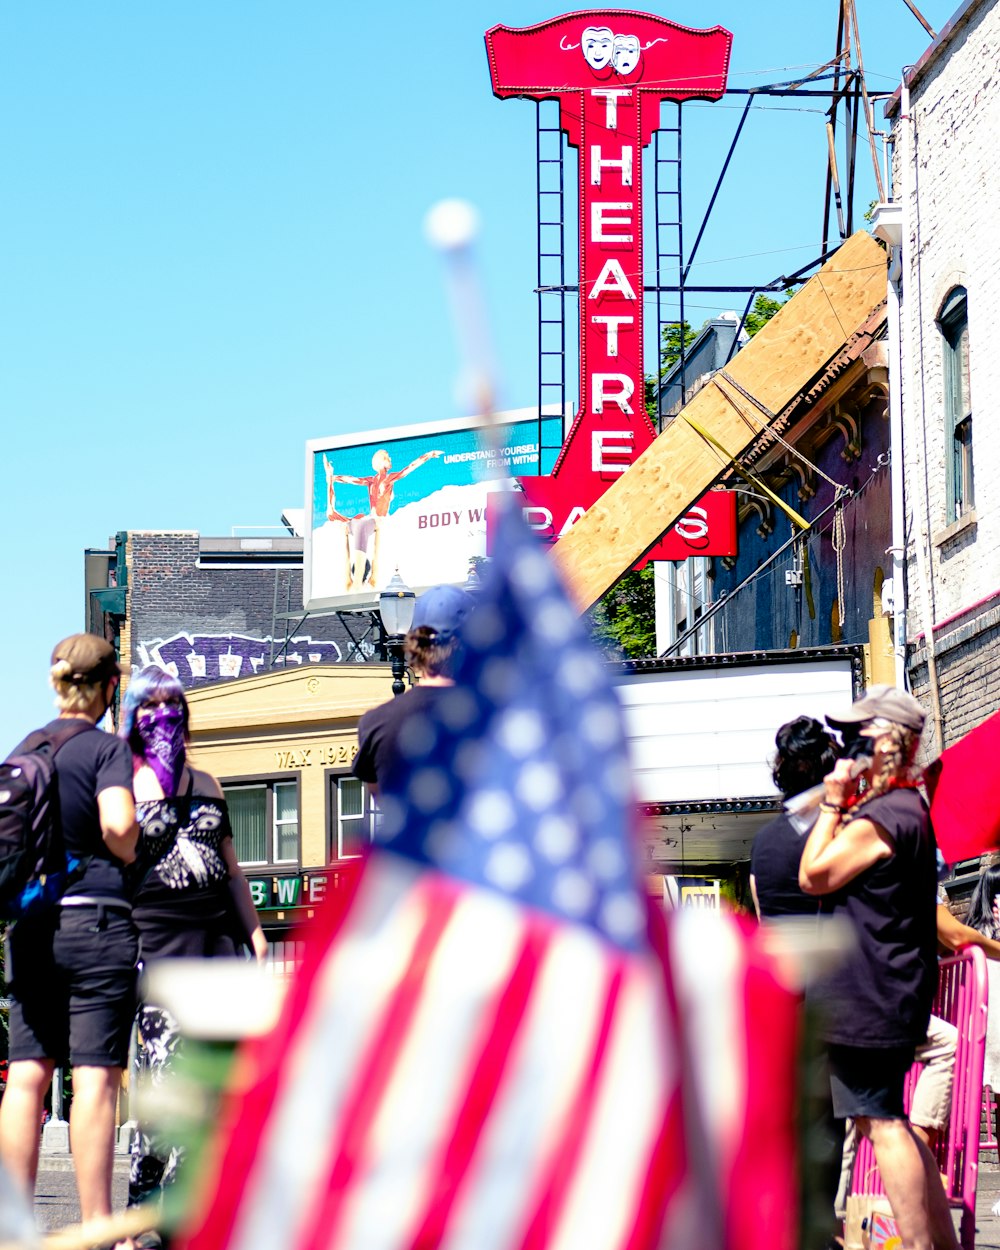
x=868, y=1081
x=72, y=983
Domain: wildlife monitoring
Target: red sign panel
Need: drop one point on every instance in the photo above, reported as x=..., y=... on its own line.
x=609, y=70
x=707, y=528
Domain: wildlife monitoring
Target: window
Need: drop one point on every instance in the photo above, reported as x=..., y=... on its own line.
x=683, y=593
x=352, y=817
x=954, y=323
x=265, y=821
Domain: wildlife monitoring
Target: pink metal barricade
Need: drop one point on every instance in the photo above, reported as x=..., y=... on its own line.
x=988, y=1141
x=962, y=1000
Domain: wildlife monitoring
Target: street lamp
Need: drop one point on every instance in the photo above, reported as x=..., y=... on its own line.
x=473, y=582
x=395, y=607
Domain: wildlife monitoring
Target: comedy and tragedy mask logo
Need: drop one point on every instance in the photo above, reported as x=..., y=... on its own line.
x=607, y=53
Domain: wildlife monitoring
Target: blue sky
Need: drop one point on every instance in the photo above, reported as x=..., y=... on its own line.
x=211, y=247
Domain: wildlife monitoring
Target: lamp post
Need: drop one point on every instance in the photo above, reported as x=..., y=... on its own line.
x=395, y=607
x=473, y=582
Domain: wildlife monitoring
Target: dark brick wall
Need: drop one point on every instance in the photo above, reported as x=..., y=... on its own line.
x=211, y=621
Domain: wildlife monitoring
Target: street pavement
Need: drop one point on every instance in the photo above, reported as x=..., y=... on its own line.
x=56, y=1205
x=987, y=1192
x=55, y=1194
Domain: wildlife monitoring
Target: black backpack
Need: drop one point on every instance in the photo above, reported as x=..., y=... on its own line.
x=35, y=868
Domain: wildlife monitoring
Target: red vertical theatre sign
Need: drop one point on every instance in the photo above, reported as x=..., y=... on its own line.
x=610, y=69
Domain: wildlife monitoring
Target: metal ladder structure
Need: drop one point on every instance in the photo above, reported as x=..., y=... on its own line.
x=551, y=288
x=669, y=212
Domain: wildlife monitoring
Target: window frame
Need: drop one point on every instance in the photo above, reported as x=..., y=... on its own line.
x=953, y=325
x=334, y=831
x=267, y=782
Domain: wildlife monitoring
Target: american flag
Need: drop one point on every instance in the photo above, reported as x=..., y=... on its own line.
x=482, y=1049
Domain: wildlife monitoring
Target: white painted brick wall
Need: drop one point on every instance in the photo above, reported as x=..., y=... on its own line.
x=954, y=205
x=952, y=189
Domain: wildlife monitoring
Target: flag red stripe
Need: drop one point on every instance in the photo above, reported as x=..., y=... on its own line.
x=668, y=1167
x=248, y=1107
x=763, y=1178
x=374, y=1070
x=669, y=1163
x=553, y=1186
x=486, y=1069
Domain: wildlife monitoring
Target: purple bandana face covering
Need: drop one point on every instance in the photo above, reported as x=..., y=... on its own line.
x=161, y=730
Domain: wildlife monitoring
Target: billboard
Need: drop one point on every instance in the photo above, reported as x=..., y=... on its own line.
x=411, y=498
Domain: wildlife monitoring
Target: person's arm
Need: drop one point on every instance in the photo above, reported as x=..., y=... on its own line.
x=836, y=850
x=243, y=902
x=116, y=812
x=207, y=786
x=753, y=894
x=332, y=477
x=835, y=853
x=204, y=784
x=414, y=464
x=954, y=935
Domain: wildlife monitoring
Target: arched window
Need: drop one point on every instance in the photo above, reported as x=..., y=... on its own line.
x=953, y=321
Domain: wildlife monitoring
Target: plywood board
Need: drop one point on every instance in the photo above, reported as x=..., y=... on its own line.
x=680, y=465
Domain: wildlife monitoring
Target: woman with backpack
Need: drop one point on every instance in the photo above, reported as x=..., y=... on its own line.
x=190, y=898
x=70, y=966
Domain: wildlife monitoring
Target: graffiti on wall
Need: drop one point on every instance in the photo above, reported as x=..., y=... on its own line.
x=215, y=657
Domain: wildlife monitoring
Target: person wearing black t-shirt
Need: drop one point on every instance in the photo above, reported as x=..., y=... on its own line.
x=190, y=897
x=431, y=651
x=871, y=855
x=71, y=970
x=804, y=754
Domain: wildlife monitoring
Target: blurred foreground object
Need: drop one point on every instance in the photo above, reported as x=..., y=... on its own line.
x=483, y=1046
x=962, y=787
x=17, y=1223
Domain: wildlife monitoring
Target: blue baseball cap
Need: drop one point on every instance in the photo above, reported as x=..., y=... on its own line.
x=442, y=609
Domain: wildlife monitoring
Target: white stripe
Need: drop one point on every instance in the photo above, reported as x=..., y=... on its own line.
x=637, y=1077
x=540, y=1087
x=347, y=1000
x=706, y=957
x=415, y=1119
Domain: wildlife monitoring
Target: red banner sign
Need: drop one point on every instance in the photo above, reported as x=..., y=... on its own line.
x=707, y=528
x=609, y=70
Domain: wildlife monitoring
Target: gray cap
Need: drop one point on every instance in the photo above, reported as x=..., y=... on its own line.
x=882, y=703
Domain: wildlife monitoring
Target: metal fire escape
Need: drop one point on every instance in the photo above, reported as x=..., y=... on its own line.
x=551, y=288
x=670, y=272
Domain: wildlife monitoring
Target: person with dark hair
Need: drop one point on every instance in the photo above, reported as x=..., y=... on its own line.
x=805, y=753
x=70, y=970
x=984, y=905
x=431, y=650
x=872, y=851
x=190, y=898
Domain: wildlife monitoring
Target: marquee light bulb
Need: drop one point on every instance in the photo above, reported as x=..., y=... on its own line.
x=451, y=224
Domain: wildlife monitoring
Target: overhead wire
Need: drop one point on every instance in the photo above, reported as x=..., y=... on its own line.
x=814, y=529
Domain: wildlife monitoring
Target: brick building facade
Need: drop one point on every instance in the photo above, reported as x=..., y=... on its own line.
x=225, y=615
x=212, y=609
x=945, y=119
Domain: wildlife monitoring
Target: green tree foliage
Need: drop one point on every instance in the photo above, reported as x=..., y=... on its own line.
x=670, y=344
x=623, y=620
x=764, y=308
x=670, y=353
